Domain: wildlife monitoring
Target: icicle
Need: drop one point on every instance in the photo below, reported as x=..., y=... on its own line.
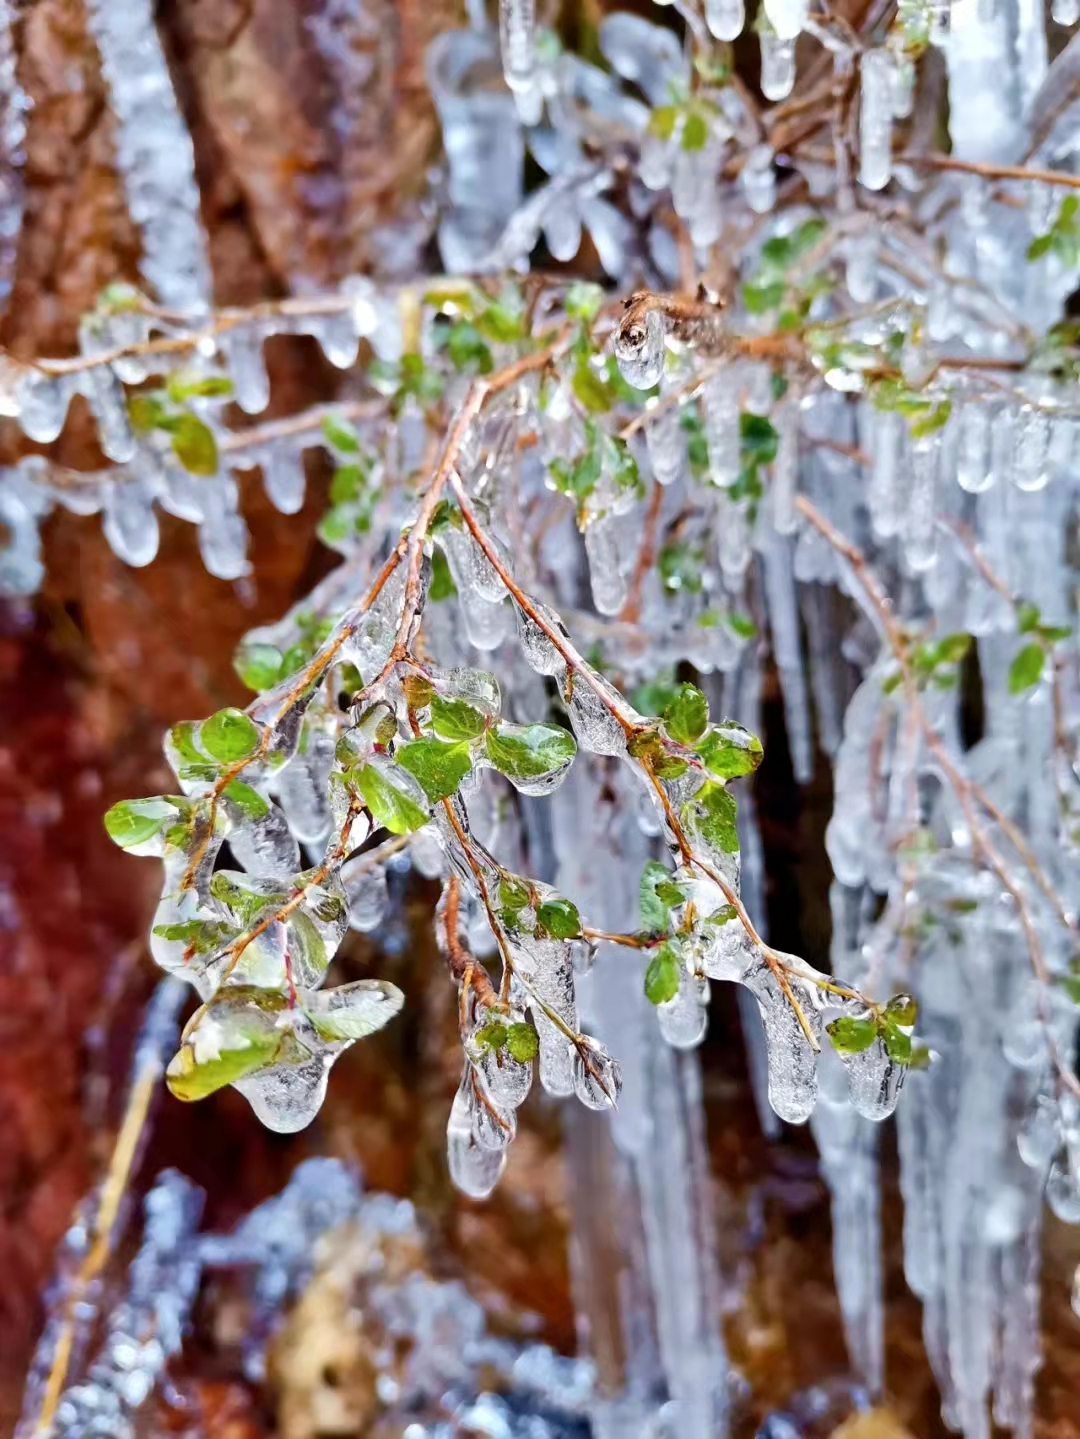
x=785, y=478
x=129, y=521
x=284, y=478
x=1065, y=12
x=787, y=17
x=666, y=444
x=920, y=523
x=242, y=349
x=517, y=26
x=14, y=105
x=777, y=65
x=787, y=649
x=725, y=18
x=875, y=119
x=154, y=152
x=720, y=413
x=973, y=470
x=759, y=179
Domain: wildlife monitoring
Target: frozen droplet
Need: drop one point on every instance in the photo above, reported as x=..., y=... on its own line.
x=1065, y=12
x=1062, y=1193
x=973, y=472
x=365, y=885
x=129, y=521
x=787, y=17
x=666, y=444
x=639, y=350
x=1031, y=470
x=473, y=1169
x=242, y=349
x=284, y=479
x=607, y=576
x=684, y=1019
x=792, y=1061
x=1038, y=1139
x=758, y=179
x=725, y=18
x=287, y=1097
x=875, y=119
x=42, y=404
x=720, y=416
x=777, y=65
x=106, y=398
x=597, y=1076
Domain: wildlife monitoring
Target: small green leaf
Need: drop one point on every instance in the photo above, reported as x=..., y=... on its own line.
x=194, y=445
x=712, y=812
x=183, y=385
x=390, y=807
x=467, y=349
x=439, y=765
x=728, y=750
x=524, y=752
x=442, y=585
x=559, y=918
x=903, y=1010
x=1027, y=668
x=347, y=485
x=522, y=1043
x=135, y=821
x=688, y=714
x=1027, y=617
x=248, y=800
x=340, y=435
x=741, y=625
x=662, y=121
x=657, y=892
x=758, y=438
x=513, y=893
x=936, y=420
x=759, y=297
x=583, y=300
x=662, y=975
x=951, y=649
x=353, y=1011
x=229, y=735
x=145, y=413
x=590, y=390
x=492, y=1035
x=695, y=131
x=851, y=1036
x=455, y=719
x=190, y=1078
x=897, y=1044
x=724, y=915
x=499, y=323
x=258, y=665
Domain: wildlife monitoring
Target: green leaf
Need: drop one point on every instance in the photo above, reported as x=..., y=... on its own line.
x=492, y=1035
x=525, y=752
x=657, y=893
x=695, y=131
x=347, y=485
x=583, y=300
x=439, y=765
x=897, y=1044
x=145, y=413
x=654, y=697
x=935, y=420
x=591, y=391
x=760, y=297
x=522, y=1043
x=248, y=800
x=758, y=438
x=559, y=918
x=662, y=121
x=467, y=348
x=687, y=715
x=258, y=665
x=133, y=822
x=390, y=807
x=903, y=1010
x=513, y=893
x=851, y=1036
x=724, y=915
x=1027, y=668
x=455, y=719
x=712, y=811
x=442, y=585
x=189, y=1078
x=229, y=735
x=662, y=975
x=183, y=385
x=339, y=434
x=741, y=625
x=680, y=568
x=951, y=649
x=353, y=1011
x=194, y=445
x=728, y=750
x=1027, y=617
x=498, y=322
x=201, y=936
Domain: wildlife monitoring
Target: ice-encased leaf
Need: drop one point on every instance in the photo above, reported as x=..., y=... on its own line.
x=232, y=1035
x=534, y=757
x=353, y=1011
x=439, y=765
x=395, y=799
